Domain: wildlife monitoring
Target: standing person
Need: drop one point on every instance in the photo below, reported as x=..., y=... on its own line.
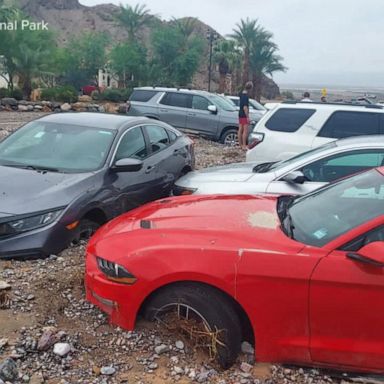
x=244, y=115
x=307, y=97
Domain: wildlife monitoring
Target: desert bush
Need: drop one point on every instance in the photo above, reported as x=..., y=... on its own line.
x=65, y=94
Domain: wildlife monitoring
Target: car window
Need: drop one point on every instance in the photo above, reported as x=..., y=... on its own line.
x=347, y=123
x=158, y=137
x=199, y=102
x=334, y=167
x=142, y=95
x=132, y=145
x=288, y=119
x=372, y=236
x=53, y=145
x=172, y=136
x=174, y=99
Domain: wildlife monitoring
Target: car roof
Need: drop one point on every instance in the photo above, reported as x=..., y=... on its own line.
x=165, y=89
x=94, y=119
x=368, y=140
x=331, y=106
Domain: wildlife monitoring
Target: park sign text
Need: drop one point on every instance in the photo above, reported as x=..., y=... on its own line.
x=24, y=25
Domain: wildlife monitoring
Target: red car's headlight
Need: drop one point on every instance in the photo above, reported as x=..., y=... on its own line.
x=115, y=272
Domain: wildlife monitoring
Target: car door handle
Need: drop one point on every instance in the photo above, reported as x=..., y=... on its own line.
x=191, y=114
x=150, y=169
x=176, y=152
x=163, y=110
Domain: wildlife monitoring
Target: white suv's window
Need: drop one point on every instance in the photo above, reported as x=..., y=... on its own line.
x=288, y=119
x=347, y=123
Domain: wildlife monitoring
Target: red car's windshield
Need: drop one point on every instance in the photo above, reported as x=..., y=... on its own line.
x=322, y=216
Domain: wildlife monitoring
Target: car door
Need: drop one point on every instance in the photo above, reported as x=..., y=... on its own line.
x=168, y=159
x=199, y=119
x=346, y=310
x=131, y=189
x=328, y=169
x=173, y=107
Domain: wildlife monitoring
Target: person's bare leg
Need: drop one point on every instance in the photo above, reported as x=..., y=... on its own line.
x=245, y=136
x=240, y=135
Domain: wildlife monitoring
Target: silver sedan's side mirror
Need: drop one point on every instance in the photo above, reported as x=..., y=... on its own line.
x=296, y=177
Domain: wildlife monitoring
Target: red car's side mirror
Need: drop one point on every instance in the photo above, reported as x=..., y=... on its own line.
x=372, y=253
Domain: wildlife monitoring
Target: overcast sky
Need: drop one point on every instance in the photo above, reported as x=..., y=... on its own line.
x=323, y=42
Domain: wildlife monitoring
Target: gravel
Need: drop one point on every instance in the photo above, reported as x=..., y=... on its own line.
x=50, y=334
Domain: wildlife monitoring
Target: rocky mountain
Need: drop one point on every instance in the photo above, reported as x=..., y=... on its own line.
x=68, y=18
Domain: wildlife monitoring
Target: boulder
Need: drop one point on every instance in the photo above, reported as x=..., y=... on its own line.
x=8, y=370
x=9, y=101
x=23, y=108
x=66, y=107
x=85, y=99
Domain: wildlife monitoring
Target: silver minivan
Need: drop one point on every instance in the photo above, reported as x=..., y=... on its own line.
x=198, y=112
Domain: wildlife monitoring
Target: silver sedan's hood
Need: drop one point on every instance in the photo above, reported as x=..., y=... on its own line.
x=231, y=178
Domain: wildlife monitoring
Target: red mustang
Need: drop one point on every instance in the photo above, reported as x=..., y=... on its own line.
x=301, y=278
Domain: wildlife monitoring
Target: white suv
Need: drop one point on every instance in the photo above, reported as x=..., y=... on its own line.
x=294, y=127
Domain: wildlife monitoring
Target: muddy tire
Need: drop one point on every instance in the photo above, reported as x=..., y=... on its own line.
x=206, y=305
x=85, y=230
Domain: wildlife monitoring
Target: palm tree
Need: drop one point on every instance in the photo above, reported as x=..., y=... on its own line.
x=264, y=60
x=244, y=36
x=186, y=26
x=134, y=18
x=7, y=10
x=226, y=54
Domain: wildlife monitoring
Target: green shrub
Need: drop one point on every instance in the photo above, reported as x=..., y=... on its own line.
x=113, y=95
x=65, y=94
x=4, y=92
x=16, y=94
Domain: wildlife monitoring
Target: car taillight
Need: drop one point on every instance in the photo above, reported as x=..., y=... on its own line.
x=254, y=139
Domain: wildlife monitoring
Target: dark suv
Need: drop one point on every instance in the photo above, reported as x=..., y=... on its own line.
x=198, y=112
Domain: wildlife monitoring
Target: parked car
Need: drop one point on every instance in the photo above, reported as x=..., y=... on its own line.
x=253, y=104
x=64, y=175
x=299, y=277
x=197, y=112
x=298, y=175
x=295, y=127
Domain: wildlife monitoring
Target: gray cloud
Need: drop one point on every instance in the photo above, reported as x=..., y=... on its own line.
x=322, y=42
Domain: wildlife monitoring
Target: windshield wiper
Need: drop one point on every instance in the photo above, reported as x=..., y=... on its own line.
x=263, y=167
x=32, y=167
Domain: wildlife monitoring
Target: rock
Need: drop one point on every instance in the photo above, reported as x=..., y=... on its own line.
x=247, y=348
x=8, y=370
x=47, y=339
x=85, y=99
x=80, y=107
x=61, y=349
x=179, y=344
x=22, y=108
x=3, y=343
x=66, y=107
x=108, y=371
x=179, y=370
x=9, y=101
x=122, y=108
x=30, y=297
x=38, y=107
x=4, y=286
x=245, y=367
x=153, y=366
x=162, y=348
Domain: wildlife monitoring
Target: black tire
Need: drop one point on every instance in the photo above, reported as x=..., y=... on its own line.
x=84, y=230
x=217, y=311
x=229, y=137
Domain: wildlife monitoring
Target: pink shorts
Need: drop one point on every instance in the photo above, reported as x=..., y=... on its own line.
x=243, y=120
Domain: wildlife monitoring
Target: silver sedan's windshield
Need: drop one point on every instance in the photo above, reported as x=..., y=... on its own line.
x=322, y=216
x=57, y=147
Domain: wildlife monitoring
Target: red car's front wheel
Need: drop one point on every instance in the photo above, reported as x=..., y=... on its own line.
x=202, y=313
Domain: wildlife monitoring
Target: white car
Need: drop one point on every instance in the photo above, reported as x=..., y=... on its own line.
x=298, y=175
x=295, y=127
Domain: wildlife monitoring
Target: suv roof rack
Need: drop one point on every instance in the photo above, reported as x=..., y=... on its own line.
x=373, y=106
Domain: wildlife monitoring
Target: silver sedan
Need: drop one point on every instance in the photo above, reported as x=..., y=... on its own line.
x=297, y=175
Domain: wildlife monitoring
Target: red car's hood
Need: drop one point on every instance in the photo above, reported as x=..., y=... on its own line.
x=236, y=221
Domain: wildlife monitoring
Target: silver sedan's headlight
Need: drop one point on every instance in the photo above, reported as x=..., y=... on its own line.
x=28, y=223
